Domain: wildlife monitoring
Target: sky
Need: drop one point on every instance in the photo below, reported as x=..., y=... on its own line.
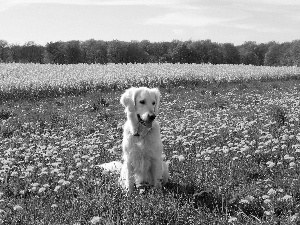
x=222, y=21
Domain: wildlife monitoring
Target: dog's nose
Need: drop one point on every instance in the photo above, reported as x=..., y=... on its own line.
x=151, y=117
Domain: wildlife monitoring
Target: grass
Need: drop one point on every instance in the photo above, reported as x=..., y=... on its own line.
x=233, y=149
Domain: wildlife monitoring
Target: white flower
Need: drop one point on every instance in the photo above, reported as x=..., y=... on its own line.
x=270, y=164
x=244, y=201
x=17, y=208
x=250, y=198
x=61, y=181
x=268, y=213
x=35, y=184
x=57, y=188
x=46, y=185
x=42, y=189
x=287, y=157
x=265, y=196
x=33, y=189
x=232, y=219
x=271, y=192
x=294, y=217
x=54, y=206
x=14, y=174
x=66, y=182
x=95, y=220
x=286, y=198
x=225, y=149
x=207, y=158
x=292, y=164
x=181, y=158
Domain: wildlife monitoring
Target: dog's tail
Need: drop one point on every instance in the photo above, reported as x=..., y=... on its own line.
x=111, y=167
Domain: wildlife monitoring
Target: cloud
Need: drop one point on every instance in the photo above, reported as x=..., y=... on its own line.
x=6, y=4
x=277, y=2
x=184, y=19
x=178, y=32
x=262, y=28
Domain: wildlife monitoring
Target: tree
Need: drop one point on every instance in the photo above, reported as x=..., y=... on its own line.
x=273, y=55
x=55, y=53
x=73, y=52
x=260, y=51
x=215, y=55
x=230, y=54
x=3, y=45
x=248, y=53
x=117, y=51
x=164, y=50
x=5, y=52
x=285, y=55
x=206, y=52
x=16, y=53
x=181, y=53
x=94, y=51
x=135, y=53
x=31, y=53
x=295, y=53
x=197, y=51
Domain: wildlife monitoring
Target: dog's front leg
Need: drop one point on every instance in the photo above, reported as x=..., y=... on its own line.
x=130, y=177
x=156, y=170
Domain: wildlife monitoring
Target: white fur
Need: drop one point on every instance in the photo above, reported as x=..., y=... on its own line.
x=111, y=167
x=142, y=154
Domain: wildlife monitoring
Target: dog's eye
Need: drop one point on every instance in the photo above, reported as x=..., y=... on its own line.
x=153, y=103
x=142, y=102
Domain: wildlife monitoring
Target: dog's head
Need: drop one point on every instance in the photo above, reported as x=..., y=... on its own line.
x=143, y=102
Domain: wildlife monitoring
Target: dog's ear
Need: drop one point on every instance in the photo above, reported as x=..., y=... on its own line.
x=128, y=99
x=157, y=97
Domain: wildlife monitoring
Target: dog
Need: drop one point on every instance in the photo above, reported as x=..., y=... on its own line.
x=142, y=145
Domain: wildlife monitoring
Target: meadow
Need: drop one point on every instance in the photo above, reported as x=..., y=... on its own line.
x=26, y=81
x=231, y=136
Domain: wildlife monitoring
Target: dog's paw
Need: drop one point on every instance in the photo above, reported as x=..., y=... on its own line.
x=158, y=185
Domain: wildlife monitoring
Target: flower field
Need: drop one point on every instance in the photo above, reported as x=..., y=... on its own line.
x=25, y=80
x=233, y=148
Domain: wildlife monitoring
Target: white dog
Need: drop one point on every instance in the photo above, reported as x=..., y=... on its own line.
x=142, y=145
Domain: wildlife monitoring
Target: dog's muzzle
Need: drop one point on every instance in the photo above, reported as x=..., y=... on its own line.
x=148, y=122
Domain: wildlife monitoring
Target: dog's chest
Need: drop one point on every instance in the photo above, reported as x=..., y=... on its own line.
x=144, y=147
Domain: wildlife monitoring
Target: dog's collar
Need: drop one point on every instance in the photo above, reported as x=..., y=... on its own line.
x=144, y=130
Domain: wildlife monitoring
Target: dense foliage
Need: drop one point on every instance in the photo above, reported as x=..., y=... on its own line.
x=204, y=51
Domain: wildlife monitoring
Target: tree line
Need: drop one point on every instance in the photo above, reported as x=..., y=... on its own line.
x=103, y=52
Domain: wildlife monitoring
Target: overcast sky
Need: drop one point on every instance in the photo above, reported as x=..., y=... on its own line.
x=233, y=21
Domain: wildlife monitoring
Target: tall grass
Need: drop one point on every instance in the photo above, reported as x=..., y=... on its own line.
x=40, y=80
